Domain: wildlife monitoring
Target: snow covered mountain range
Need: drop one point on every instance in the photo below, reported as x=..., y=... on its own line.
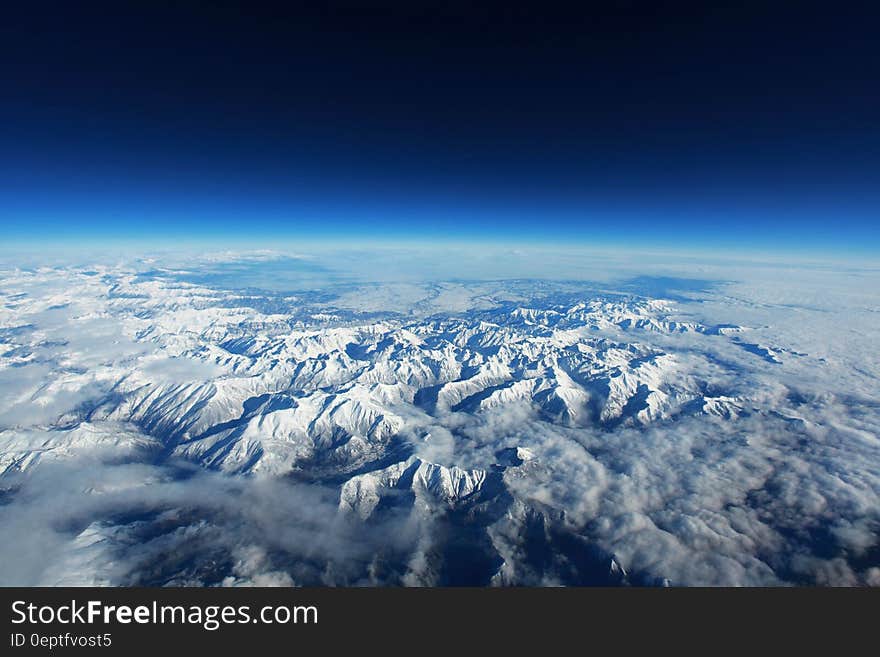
x=159, y=428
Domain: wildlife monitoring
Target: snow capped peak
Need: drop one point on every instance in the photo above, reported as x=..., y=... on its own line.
x=428, y=481
x=531, y=432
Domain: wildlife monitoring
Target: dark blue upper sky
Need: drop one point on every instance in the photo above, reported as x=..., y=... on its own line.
x=651, y=124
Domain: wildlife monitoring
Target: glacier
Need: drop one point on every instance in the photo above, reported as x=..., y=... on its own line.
x=189, y=422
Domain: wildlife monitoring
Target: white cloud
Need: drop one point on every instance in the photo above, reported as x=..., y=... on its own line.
x=101, y=369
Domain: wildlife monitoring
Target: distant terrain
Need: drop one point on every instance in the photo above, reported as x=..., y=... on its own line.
x=267, y=420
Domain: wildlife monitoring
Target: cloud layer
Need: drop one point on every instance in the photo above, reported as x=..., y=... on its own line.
x=154, y=430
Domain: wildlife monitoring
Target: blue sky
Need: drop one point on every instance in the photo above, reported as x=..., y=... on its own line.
x=70, y=208
x=697, y=129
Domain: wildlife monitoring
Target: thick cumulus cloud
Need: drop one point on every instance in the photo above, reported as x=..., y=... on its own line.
x=781, y=486
x=87, y=521
x=758, y=500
